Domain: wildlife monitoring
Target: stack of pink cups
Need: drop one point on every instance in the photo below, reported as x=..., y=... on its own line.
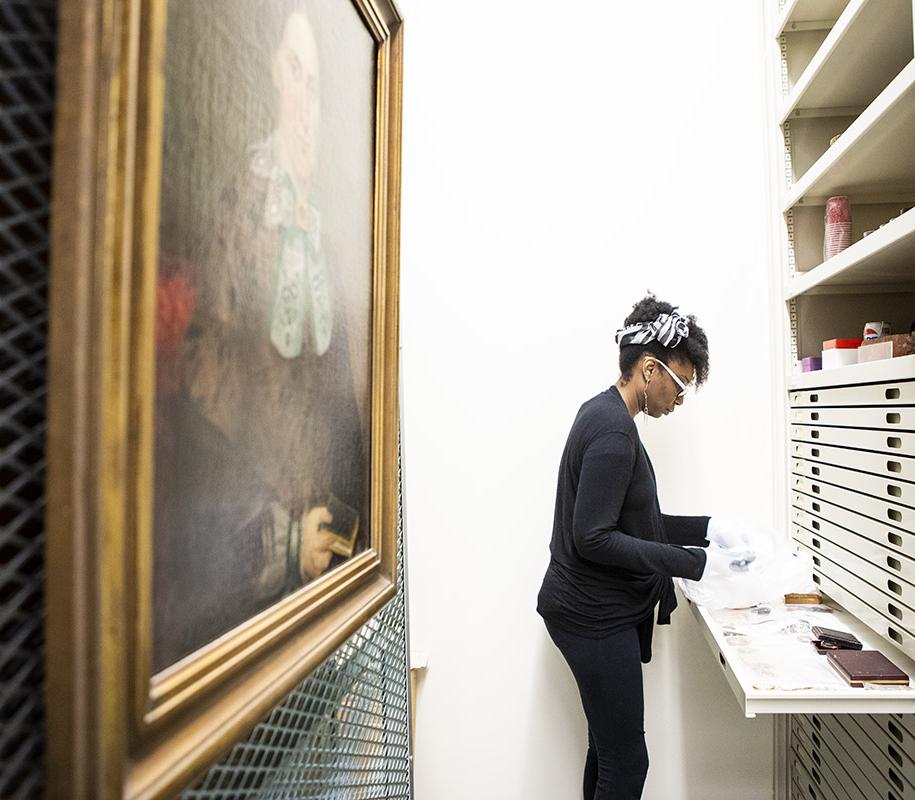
x=838, y=226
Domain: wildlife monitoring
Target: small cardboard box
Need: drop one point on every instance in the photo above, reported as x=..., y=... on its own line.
x=899, y=344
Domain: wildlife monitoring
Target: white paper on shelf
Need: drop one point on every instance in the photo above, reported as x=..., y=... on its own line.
x=775, y=648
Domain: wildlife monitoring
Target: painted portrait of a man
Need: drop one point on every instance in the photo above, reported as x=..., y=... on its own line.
x=264, y=311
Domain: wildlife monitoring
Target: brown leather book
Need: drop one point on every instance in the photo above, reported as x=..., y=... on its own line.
x=866, y=666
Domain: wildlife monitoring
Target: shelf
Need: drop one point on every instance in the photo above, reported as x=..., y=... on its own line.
x=873, y=156
x=816, y=688
x=890, y=369
x=870, y=43
x=885, y=258
x=799, y=14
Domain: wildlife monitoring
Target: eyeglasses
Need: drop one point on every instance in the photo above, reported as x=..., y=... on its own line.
x=684, y=388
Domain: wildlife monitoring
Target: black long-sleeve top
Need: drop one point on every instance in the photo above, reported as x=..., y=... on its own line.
x=613, y=553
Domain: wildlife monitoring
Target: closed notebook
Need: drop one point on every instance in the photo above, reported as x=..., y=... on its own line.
x=866, y=666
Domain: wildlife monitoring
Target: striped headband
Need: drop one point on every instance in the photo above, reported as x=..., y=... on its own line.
x=668, y=329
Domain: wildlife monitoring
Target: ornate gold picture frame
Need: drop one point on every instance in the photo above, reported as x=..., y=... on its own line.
x=128, y=717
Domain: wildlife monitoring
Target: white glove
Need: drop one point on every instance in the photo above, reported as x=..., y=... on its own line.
x=731, y=534
x=719, y=561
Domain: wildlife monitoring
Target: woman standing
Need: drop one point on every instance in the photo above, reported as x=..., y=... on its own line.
x=613, y=552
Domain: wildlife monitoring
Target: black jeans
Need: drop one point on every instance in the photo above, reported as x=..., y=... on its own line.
x=608, y=672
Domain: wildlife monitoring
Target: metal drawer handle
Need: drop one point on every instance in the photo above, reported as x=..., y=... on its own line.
x=894, y=515
x=894, y=563
x=894, y=442
x=893, y=490
x=815, y=542
x=816, y=579
x=894, y=538
x=893, y=466
x=815, y=434
x=815, y=470
x=816, y=489
x=815, y=452
x=816, y=506
x=894, y=754
x=894, y=730
x=814, y=398
x=895, y=635
x=894, y=610
x=816, y=560
x=892, y=393
x=814, y=415
x=816, y=524
x=893, y=418
x=894, y=587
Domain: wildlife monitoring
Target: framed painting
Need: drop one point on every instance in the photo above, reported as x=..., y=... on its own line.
x=222, y=477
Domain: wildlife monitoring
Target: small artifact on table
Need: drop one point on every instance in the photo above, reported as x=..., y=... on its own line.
x=858, y=667
x=827, y=639
x=803, y=598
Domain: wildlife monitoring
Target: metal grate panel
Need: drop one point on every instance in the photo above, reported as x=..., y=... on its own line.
x=27, y=58
x=343, y=733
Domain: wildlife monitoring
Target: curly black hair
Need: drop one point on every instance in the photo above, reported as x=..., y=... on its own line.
x=694, y=348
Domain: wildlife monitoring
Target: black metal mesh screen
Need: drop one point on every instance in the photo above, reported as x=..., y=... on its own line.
x=343, y=733
x=27, y=58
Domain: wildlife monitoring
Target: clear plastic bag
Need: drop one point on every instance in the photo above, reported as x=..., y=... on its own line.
x=764, y=572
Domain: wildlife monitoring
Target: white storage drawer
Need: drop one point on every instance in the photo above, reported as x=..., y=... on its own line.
x=895, y=560
x=826, y=749
x=873, y=394
x=899, y=596
x=870, y=752
x=856, y=597
x=897, y=725
x=895, y=490
x=822, y=769
x=896, y=418
x=895, y=466
x=879, y=532
x=898, y=515
x=901, y=764
x=800, y=772
x=896, y=443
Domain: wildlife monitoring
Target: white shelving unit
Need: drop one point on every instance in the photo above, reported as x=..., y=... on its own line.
x=842, y=117
x=845, y=115
x=849, y=70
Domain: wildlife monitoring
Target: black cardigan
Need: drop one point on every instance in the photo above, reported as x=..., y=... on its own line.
x=613, y=552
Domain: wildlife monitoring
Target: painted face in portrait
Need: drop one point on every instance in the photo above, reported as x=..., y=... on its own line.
x=297, y=80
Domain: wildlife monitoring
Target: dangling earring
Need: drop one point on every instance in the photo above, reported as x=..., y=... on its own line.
x=645, y=393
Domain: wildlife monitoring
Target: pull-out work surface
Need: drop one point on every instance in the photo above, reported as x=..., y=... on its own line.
x=772, y=668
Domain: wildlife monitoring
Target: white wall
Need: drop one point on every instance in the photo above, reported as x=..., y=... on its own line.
x=559, y=160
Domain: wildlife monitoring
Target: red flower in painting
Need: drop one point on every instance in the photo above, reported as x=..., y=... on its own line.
x=175, y=297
